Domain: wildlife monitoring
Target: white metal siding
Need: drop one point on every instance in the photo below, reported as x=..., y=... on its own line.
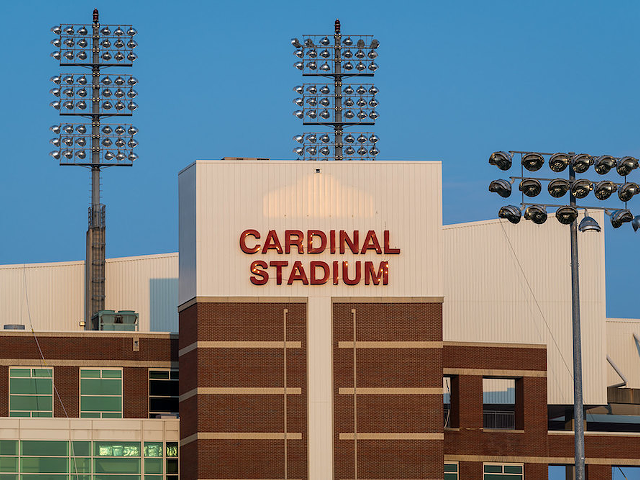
x=232, y=196
x=624, y=351
x=488, y=298
x=53, y=293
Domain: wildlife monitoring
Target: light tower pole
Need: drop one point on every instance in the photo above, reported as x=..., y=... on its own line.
x=578, y=188
x=335, y=104
x=94, y=47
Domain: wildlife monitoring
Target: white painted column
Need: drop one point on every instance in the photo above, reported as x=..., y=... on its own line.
x=320, y=388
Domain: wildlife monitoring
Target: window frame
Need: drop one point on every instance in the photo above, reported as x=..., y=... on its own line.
x=456, y=473
x=9, y=394
x=177, y=397
x=81, y=395
x=515, y=476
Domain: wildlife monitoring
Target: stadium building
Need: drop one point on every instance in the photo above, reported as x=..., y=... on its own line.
x=319, y=322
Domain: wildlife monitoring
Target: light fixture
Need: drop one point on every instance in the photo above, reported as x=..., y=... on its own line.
x=581, y=162
x=567, y=214
x=604, y=189
x=635, y=223
x=532, y=161
x=558, y=187
x=511, y=213
x=558, y=162
x=627, y=191
x=330, y=57
x=501, y=187
x=589, y=224
x=581, y=188
x=626, y=165
x=536, y=213
x=530, y=187
x=618, y=217
x=502, y=160
x=603, y=164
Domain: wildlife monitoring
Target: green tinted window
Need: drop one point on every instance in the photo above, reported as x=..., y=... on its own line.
x=8, y=464
x=116, y=477
x=513, y=469
x=101, y=393
x=116, y=449
x=4, y=476
x=44, y=465
x=8, y=447
x=153, y=465
x=153, y=449
x=81, y=449
x=30, y=392
x=44, y=476
x=503, y=472
x=80, y=465
x=42, y=448
x=116, y=465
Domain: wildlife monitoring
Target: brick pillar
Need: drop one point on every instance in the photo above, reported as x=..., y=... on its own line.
x=537, y=471
x=4, y=387
x=471, y=470
x=470, y=395
x=67, y=380
x=598, y=472
x=135, y=392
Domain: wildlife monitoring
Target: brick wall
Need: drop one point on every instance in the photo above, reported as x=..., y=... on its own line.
x=87, y=350
x=408, y=425
x=240, y=354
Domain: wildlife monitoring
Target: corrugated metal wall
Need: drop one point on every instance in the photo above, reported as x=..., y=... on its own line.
x=624, y=351
x=53, y=293
x=512, y=283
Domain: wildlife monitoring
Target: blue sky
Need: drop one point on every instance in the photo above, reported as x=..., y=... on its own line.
x=457, y=81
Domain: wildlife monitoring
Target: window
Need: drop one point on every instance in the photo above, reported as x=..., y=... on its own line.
x=503, y=471
x=31, y=392
x=163, y=393
x=101, y=393
x=451, y=471
x=86, y=460
x=446, y=402
x=499, y=398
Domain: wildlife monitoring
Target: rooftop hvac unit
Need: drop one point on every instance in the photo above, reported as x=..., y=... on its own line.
x=110, y=320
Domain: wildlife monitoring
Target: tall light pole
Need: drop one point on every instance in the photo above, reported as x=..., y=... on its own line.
x=336, y=104
x=96, y=145
x=578, y=188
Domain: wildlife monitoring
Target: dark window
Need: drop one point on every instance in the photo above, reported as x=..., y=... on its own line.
x=163, y=393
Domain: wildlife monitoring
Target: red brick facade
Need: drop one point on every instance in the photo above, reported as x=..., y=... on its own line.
x=67, y=353
x=406, y=357
x=233, y=390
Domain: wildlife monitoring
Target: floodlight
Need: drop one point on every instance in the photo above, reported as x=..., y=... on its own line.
x=502, y=160
x=536, y=213
x=589, y=224
x=604, y=189
x=604, y=164
x=567, y=214
x=635, y=223
x=558, y=187
x=501, y=187
x=558, y=162
x=581, y=188
x=581, y=162
x=626, y=165
x=627, y=191
x=532, y=161
x=511, y=213
x=530, y=187
x=618, y=217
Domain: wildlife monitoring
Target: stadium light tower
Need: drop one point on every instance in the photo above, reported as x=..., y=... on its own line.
x=578, y=188
x=97, y=145
x=336, y=104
